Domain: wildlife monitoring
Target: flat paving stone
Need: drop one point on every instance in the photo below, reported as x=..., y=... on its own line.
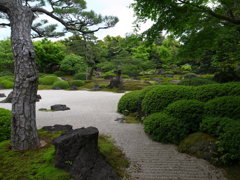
x=149, y=160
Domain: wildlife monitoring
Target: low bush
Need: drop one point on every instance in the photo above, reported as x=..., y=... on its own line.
x=160, y=97
x=79, y=76
x=6, y=84
x=161, y=127
x=197, y=81
x=59, y=73
x=190, y=112
x=214, y=125
x=129, y=103
x=76, y=83
x=5, y=124
x=48, y=80
x=61, y=84
x=211, y=91
x=226, y=106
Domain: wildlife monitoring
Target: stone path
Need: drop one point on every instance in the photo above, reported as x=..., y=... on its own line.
x=149, y=160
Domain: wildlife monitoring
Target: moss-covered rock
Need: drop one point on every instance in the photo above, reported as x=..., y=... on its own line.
x=200, y=145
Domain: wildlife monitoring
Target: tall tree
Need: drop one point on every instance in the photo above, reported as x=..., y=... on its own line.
x=21, y=15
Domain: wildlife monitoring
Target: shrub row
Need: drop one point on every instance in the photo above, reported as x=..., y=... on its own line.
x=155, y=98
x=5, y=124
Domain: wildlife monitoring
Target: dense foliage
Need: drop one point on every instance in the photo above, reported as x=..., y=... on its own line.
x=159, y=98
x=5, y=124
x=226, y=106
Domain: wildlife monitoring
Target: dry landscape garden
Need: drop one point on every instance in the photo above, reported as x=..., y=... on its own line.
x=162, y=104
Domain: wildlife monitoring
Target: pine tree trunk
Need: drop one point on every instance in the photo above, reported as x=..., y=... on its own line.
x=24, y=130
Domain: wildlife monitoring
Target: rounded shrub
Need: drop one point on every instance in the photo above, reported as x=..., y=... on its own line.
x=129, y=102
x=59, y=73
x=190, y=112
x=160, y=97
x=226, y=106
x=161, y=127
x=211, y=91
x=61, y=85
x=5, y=124
x=48, y=80
x=197, y=81
x=76, y=83
x=79, y=76
x=214, y=125
x=7, y=84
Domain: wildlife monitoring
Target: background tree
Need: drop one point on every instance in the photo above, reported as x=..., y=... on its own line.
x=21, y=15
x=6, y=56
x=209, y=31
x=48, y=54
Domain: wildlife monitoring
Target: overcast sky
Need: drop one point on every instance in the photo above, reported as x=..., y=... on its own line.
x=119, y=8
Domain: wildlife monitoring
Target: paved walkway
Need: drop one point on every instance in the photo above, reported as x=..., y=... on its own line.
x=149, y=160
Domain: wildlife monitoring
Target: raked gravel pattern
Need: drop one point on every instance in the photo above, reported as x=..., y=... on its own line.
x=149, y=160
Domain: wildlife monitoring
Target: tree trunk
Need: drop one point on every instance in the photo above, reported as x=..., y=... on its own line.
x=24, y=130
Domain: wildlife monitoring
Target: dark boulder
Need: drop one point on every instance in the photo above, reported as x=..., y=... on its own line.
x=77, y=152
x=1, y=86
x=58, y=127
x=2, y=95
x=59, y=107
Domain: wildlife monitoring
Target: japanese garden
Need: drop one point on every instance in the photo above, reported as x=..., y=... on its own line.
x=153, y=104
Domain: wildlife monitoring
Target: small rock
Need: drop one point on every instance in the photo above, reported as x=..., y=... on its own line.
x=175, y=81
x=190, y=76
x=121, y=120
x=147, y=82
x=42, y=109
x=2, y=95
x=59, y=107
x=157, y=79
x=58, y=127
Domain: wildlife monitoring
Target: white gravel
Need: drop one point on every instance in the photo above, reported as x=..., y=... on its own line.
x=149, y=160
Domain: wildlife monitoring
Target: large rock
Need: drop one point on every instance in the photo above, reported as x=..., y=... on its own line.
x=77, y=152
x=59, y=107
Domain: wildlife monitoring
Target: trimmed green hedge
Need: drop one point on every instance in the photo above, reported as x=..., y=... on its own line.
x=61, y=84
x=76, y=83
x=190, y=112
x=129, y=102
x=211, y=91
x=79, y=76
x=197, y=81
x=5, y=124
x=7, y=82
x=161, y=127
x=48, y=80
x=160, y=97
x=226, y=106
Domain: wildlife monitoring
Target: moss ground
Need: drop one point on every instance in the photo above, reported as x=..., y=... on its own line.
x=39, y=164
